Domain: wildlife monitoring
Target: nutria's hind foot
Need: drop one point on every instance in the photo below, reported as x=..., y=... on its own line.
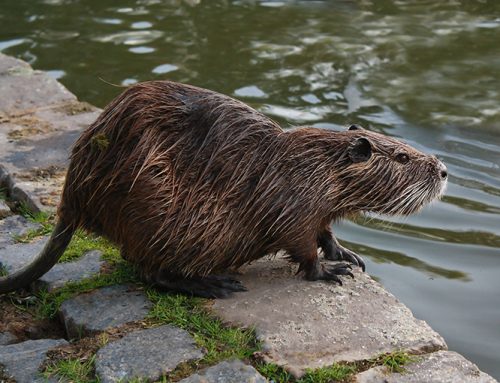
x=343, y=254
x=318, y=271
x=211, y=286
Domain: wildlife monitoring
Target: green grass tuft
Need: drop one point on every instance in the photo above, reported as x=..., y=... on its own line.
x=333, y=373
x=43, y=218
x=72, y=370
x=274, y=373
x=188, y=313
x=395, y=361
x=83, y=242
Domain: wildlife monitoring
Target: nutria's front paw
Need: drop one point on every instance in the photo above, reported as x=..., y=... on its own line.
x=343, y=254
x=330, y=272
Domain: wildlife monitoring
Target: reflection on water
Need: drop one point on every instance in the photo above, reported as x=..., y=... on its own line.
x=421, y=70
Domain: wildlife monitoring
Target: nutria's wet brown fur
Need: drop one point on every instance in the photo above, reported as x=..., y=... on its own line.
x=189, y=183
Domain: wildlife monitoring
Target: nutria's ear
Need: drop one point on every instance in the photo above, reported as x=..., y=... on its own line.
x=354, y=127
x=360, y=150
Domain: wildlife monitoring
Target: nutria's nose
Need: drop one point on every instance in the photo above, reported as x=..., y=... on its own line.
x=443, y=171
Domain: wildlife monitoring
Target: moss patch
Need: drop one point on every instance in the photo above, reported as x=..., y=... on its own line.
x=77, y=107
x=31, y=126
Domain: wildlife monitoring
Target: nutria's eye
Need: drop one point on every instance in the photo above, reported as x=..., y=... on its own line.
x=402, y=158
x=354, y=127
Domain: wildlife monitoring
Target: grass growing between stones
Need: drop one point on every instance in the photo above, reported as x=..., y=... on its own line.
x=72, y=370
x=219, y=341
x=45, y=220
x=334, y=373
x=50, y=302
x=80, y=244
x=273, y=372
x=395, y=361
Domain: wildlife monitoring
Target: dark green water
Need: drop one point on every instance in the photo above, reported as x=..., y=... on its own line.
x=425, y=71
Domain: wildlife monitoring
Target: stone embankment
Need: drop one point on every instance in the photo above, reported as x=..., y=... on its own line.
x=301, y=325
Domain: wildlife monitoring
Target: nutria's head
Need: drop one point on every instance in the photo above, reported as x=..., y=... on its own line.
x=383, y=175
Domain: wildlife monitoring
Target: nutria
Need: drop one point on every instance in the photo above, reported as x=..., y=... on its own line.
x=190, y=183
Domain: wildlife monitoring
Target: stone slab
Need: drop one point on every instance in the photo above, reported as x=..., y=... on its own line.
x=102, y=309
x=25, y=88
x=7, y=338
x=22, y=361
x=8, y=63
x=438, y=367
x=35, y=148
x=85, y=267
x=234, y=371
x=145, y=354
x=39, y=122
x=14, y=257
x=305, y=324
x=15, y=225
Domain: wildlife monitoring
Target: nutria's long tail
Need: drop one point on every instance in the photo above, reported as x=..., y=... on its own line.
x=54, y=248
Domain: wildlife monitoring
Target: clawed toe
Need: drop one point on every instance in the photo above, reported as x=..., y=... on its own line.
x=332, y=272
x=327, y=272
x=343, y=254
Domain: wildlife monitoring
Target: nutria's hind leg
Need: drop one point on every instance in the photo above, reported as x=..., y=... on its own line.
x=211, y=286
x=334, y=251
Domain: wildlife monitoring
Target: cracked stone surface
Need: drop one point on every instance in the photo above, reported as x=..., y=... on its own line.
x=146, y=354
x=234, y=371
x=438, y=367
x=103, y=308
x=85, y=267
x=15, y=225
x=22, y=360
x=305, y=324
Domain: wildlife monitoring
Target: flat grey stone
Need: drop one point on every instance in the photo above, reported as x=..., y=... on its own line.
x=39, y=122
x=4, y=209
x=37, y=160
x=304, y=324
x=7, y=338
x=14, y=257
x=85, y=267
x=102, y=309
x=8, y=63
x=146, y=354
x=438, y=367
x=15, y=225
x=22, y=360
x=234, y=371
x=27, y=88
